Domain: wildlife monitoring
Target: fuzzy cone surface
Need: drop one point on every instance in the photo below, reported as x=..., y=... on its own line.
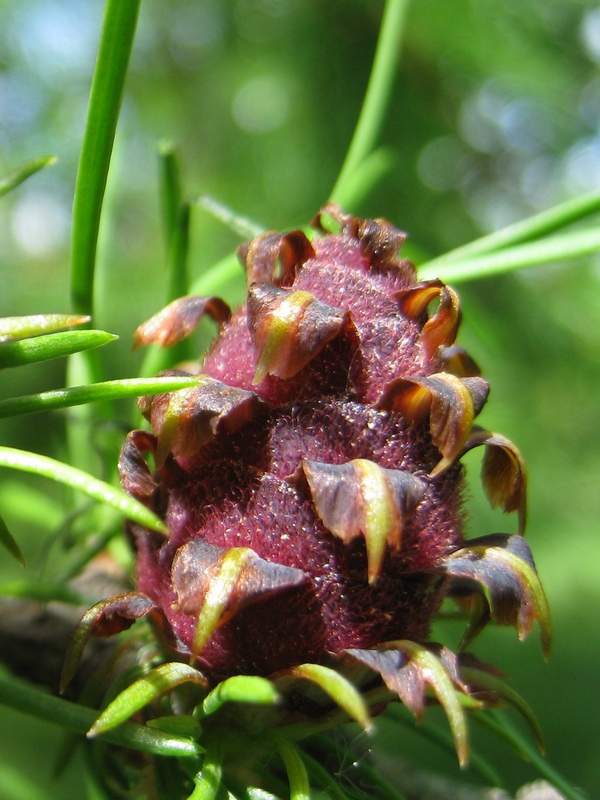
x=311, y=482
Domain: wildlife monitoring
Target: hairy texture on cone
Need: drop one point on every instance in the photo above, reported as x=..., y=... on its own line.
x=326, y=337
x=311, y=482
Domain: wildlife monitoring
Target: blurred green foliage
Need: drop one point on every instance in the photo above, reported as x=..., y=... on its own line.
x=495, y=115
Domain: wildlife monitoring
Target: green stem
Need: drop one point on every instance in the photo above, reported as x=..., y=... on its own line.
x=180, y=240
x=13, y=329
x=77, y=718
x=118, y=30
x=92, y=393
x=170, y=189
x=528, y=752
x=54, y=345
x=526, y=230
x=175, y=214
x=80, y=481
x=116, y=41
x=24, y=171
x=555, y=248
x=377, y=96
x=208, y=781
x=176, y=221
x=296, y=771
x=367, y=175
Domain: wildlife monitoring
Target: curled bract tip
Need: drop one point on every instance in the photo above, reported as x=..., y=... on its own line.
x=494, y=576
x=179, y=319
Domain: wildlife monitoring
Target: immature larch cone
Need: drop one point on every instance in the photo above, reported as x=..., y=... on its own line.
x=311, y=481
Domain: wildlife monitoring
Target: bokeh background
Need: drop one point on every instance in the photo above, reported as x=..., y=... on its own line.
x=495, y=115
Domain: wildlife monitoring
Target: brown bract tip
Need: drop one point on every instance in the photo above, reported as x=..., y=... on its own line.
x=289, y=329
x=177, y=320
x=362, y=498
x=275, y=258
